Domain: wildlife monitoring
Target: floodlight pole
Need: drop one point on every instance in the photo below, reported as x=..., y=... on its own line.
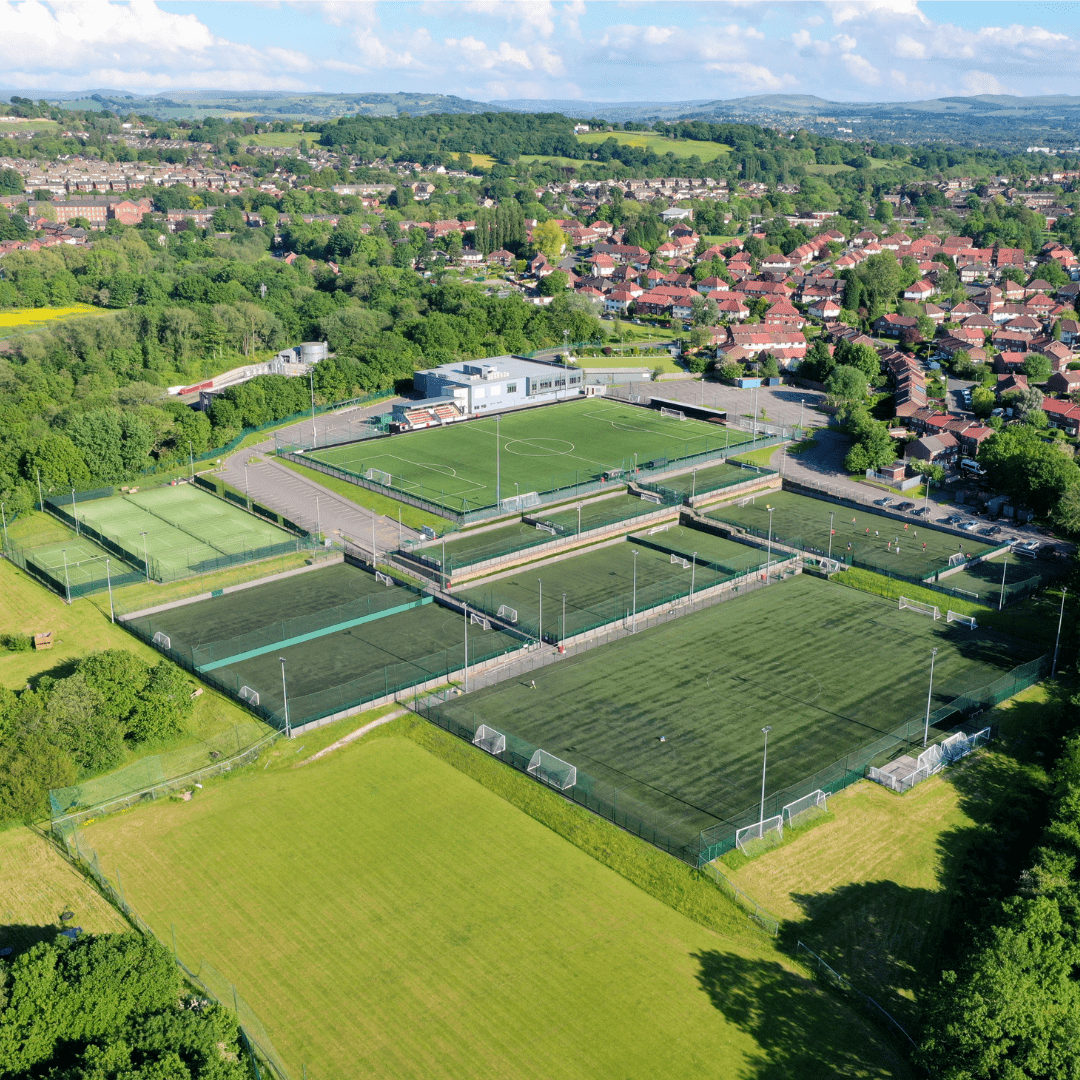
x=285, y=695
x=41, y=501
x=146, y=559
x=247, y=486
x=929, y=695
x=562, y=627
x=633, y=622
x=74, y=514
x=832, y=515
x=540, y=628
x=311, y=383
x=693, y=486
x=498, y=465
x=318, y=522
x=67, y=584
x=693, y=574
x=374, y=549
x=399, y=527
x=108, y=578
x=1057, y=640
x=764, y=763
x=579, y=519
x=465, y=609
x=768, y=555
x=4, y=516
x=191, y=458
x=1004, y=567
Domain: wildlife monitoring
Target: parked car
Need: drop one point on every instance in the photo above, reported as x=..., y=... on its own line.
x=1029, y=549
x=968, y=526
x=884, y=502
x=923, y=511
x=906, y=506
x=990, y=530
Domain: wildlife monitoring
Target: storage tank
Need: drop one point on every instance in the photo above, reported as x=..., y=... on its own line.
x=311, y=352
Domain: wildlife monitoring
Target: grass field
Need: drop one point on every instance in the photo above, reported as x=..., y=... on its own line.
x=870, y=891
x=600, y=585
x=711, y=549
x=185, y=529
x=708, y=682
x=279, y=139
x=431, y=930
x=803, y=522
x=710, y=478
x=341, y=669
x=541, y=450
x=34, y=316
x=984, y=580
x=658, y=144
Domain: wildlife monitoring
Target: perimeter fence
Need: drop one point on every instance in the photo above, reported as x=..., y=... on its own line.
x=94, y=576
x=684, y=493
x=720, y=838
x=203, y=976
x=560, y=487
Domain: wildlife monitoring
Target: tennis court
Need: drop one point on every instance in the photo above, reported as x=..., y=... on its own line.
x=667, y=722
x=541, y=449
x=601, y=586
x=901, y=546
x=78, y=562
x=343, y=669
x=181, y=530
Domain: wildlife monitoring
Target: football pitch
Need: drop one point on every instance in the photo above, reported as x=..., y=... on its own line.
x=541, y=449
x=181, y=530
x=384, y=915
x=903, y=545
x=668, y=721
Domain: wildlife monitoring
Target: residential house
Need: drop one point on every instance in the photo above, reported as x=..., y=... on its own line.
x=1063, y=415
x=893, y=325
x=1063, y=382
x=920, y=291
x=943, y=449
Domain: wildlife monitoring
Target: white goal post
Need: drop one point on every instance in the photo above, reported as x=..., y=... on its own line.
x=552, y=770
x=386, y=579
x=659, y=528
x=543, y=526
x=761, y=830
x=249, y=695
x=957, y=558
x=508, y=613
x=162, y=640
x=966, y=620
x=802, y=810
x=521, y=502
x=479, y=620
x=921, y=608
x=487, y=738
x=379, y=477
x=675, y=414
x=684, y=563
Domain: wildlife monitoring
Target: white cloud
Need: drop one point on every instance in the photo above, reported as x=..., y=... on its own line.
x=844, y=11
x=860, y=68
x=754, y=76
x=982, y=82
x=910, y=49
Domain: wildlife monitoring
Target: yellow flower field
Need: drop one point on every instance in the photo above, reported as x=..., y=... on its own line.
x=33, y=316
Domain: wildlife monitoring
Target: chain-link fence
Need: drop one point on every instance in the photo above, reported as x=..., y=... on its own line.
x=202, y=975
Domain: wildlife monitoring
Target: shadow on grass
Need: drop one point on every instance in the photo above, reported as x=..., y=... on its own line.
x=801, y=1031
x=20, y=937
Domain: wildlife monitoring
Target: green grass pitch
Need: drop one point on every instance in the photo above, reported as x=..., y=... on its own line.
x=386, y=916
x=830, y=668
x=874, y=538
x=542, y=449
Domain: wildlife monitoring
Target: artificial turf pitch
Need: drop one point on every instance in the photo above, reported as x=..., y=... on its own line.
x=184, y=528
x=541, y=449
x=905, y=546
x=599, y=585
x=386, y=916
x=829, y=668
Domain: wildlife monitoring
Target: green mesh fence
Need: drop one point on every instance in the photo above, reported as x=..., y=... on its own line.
x=704, y=480
x=202, y=975
x=90, y=572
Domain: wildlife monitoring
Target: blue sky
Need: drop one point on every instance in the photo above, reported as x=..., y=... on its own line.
x=844, y=50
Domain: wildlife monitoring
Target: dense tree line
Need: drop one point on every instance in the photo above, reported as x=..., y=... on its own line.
x=60, y=730
x=110, y=1007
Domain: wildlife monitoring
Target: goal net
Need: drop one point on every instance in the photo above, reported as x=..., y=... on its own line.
x=386, y=579
x=957, y=558
x=659, y=528
x=487, y=738
x=378, y=476
x=921, y=608
x=508, y=613
x=804, y=810
x=163, y=640
x=479, y=620
x=684, y=563
x=249, y=695
x=521, y=502
x=651, y=497
x=967, y=620
x=552, y=770
x=675, y=414
x=747, y=501
x=754, y=839
x=544, y=527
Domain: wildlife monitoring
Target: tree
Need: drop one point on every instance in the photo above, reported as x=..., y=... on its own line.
x=934, y=473
x=555, y=283
x=1032, y=472
x=846, y=384
x=119, y=676
x=1036, y=367
x=163, y=707
x=79, y=725
x=862, y=357
x=550, y=239
x=769, y=367
x=983, y=401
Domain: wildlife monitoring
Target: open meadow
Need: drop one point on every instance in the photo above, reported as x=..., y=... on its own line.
x=658, y=144
x=385, y=915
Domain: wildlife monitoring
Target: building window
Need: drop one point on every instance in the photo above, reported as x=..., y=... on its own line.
x=511, y=388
